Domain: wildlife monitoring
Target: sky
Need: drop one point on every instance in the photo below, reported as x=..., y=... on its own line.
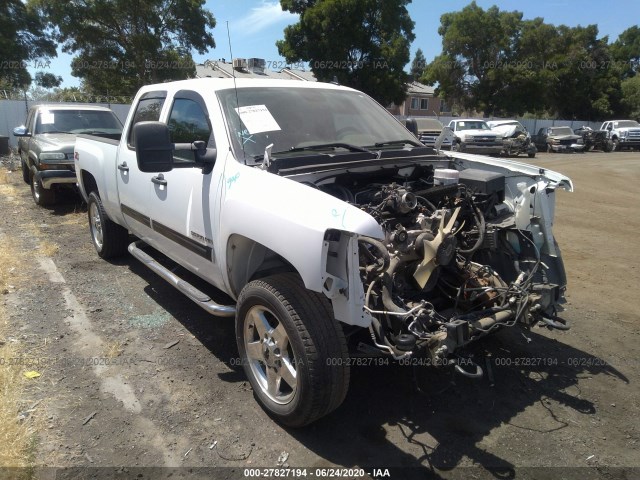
x=255, y=26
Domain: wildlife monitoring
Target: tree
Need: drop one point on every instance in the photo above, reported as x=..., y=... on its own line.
x=586, y=85
x=626, y=51
x=361, y=43
x=48, y=80
x=477, y=44
x=631, y=96
x=124, y=44
x=418, y=65
x=500, y=64
x=23, y=39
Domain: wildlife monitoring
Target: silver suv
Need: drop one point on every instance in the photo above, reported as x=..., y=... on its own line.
x=47, y=140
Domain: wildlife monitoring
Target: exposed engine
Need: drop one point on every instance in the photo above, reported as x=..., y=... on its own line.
x=453, y=267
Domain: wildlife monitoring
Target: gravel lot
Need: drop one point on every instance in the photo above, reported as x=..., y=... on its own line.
x=117, y=391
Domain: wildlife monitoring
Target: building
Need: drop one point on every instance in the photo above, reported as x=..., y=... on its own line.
x=421, y=101
x=251, y=68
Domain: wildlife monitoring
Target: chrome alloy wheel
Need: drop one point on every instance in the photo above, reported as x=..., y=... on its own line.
x=270, y=354
x=96, y=225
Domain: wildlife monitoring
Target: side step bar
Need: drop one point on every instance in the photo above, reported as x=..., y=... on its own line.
x=202, y=299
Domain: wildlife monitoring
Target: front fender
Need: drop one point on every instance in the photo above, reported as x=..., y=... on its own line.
x=287, y=217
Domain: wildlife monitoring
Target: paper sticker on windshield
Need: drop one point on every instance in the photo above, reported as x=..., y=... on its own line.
x=257, y=119
x=461, y=124
x=47, y=118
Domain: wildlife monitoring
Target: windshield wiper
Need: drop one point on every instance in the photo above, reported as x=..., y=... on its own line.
x=321, y=146
x=399, y=142
x=334, y=145
x=56, y=131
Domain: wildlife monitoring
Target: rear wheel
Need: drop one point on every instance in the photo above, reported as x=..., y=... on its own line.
x=42, y=196
x=292, y=349
x=109, y=239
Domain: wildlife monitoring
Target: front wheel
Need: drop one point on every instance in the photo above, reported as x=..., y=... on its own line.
x=615, y=145
x=292, y=349
x=42, y=196
x=26, y=173
x=109, y=239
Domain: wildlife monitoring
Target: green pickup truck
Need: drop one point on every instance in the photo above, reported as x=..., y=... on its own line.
x=47, y=140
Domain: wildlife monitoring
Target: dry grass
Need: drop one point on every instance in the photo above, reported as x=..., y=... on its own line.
x=113, y=349
x=16, y=437
x=47, y=248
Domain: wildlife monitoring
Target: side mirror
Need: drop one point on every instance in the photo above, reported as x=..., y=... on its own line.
x=154, y=150
x=412, y=126
x=21, y=131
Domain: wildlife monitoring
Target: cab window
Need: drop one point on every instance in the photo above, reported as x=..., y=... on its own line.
x=187, y=123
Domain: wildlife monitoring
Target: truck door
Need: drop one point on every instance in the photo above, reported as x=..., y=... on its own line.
x=182, y=200
x=134, y=185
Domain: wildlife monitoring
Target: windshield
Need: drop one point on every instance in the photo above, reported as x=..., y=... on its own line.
x=295, y=118
x=627, y=124
x=562, y=131
x=428, y=124
x=472, y=125
x=77, y=121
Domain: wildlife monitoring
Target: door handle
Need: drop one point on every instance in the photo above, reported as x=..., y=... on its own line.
x=123, y=167
x=159, y=180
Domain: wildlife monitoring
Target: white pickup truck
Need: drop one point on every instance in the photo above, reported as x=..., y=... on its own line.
x=334, y=232
x=622, y=134
x=474, y=136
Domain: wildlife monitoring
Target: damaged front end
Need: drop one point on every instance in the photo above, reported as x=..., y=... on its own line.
x=466, y=252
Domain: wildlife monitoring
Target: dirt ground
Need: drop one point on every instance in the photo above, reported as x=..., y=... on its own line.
x=117, y=391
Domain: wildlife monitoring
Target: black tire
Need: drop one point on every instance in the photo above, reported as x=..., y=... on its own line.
x=313, y=344
x=607, y=146
x=531, y=155
x=109, y=239
x=42, y=196
x=456, y=147
x=26, y=174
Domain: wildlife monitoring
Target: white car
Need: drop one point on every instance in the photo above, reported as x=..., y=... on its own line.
x=330, y=229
